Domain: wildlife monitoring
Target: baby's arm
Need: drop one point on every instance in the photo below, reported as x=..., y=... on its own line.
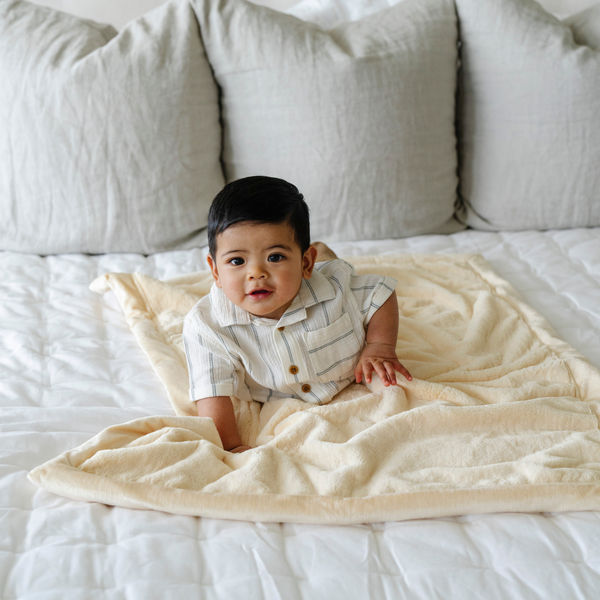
x=220, y=410
x=379, y=354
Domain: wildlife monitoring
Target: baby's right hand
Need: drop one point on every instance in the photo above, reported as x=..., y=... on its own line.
x=239, y=449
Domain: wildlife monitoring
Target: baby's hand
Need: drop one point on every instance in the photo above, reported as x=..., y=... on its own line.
x=382, y=359
x=239, y=449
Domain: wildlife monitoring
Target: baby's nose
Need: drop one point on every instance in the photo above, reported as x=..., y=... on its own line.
x=257, y=273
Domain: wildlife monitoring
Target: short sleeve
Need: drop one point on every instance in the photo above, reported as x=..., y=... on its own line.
x=370, y=292
x=211, y=370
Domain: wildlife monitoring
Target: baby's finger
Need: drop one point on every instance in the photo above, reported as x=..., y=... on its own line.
x=368, y=371
x=358, y=373
x=391, y=372
x=402, y=369
x=382, y=373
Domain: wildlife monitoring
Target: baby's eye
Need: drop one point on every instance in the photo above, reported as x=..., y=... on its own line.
x=237, y=261
x=276, y=257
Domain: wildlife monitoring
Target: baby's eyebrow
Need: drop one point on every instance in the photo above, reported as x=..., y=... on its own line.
x=279, y=246
x=282, y=246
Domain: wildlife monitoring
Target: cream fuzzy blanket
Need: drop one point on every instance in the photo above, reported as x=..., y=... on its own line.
x=501, y=416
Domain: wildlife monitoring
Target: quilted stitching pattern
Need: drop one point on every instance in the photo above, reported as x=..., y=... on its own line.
x=69, y=367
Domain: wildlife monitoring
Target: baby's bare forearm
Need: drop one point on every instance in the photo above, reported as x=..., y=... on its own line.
x=379, y=355
x=220, y=410
x=383, y=326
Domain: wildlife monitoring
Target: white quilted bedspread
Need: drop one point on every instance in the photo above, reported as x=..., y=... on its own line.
x=70, y=367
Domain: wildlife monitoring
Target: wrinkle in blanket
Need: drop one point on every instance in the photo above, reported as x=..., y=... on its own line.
x=501, y=416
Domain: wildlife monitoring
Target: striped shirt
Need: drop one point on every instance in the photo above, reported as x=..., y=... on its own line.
x=309, y=353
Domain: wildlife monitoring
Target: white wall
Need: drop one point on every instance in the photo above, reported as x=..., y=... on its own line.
x=119, y=12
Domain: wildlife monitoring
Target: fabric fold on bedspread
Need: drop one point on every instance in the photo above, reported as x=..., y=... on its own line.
x=501, y=416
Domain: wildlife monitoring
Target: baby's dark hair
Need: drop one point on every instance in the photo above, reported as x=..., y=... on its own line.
x=259, y=199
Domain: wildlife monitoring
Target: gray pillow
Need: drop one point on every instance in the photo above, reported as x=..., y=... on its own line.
x=360, y=118
x=586, y=27
x=529, y=119
x=108, y=143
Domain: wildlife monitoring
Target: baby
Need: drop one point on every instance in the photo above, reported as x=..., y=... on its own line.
x=276, y=324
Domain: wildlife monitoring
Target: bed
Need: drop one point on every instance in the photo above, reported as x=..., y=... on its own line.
x=71, y=368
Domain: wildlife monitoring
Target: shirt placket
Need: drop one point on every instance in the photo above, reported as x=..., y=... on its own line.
x=294, y=368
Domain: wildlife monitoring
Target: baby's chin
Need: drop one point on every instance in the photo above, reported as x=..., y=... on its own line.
x=266, y=314
x=255, y=310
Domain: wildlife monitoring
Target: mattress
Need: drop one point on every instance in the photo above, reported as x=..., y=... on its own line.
x=70, y=367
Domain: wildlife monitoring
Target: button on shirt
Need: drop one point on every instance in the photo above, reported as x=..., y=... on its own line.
x=309, y=353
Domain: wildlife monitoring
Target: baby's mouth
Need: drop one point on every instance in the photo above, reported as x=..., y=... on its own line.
x=260, y=294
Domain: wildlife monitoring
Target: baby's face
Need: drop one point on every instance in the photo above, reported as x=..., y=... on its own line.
x=260, y=267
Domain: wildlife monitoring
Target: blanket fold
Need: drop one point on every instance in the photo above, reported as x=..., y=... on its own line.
x=501, y=416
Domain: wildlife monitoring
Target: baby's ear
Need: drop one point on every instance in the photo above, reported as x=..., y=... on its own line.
x=308, y=262
x=324, y=252
x=213, y=267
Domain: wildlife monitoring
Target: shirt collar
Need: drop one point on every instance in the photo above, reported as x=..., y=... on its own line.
x=225, y=310
x=312, y=291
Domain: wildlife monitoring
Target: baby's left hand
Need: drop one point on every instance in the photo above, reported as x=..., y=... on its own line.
x=382, y=359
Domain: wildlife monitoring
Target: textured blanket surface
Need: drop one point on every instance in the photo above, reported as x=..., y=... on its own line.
x=501, y=416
